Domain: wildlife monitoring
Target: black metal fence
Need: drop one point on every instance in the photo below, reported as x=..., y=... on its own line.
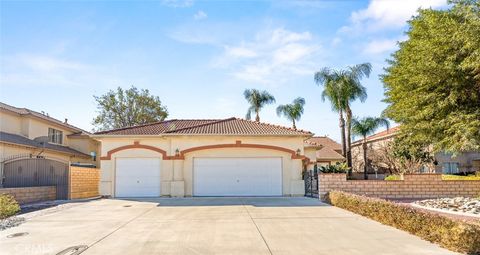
x=311, y=183
x=33, y=172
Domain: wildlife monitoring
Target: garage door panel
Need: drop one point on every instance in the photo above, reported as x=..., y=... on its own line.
x=137, y=177
x=237, y=177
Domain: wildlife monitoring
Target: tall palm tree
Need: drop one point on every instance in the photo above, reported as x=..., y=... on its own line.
x=293, y=111
x=354, y=91
x=332, y=82
x=364, y=127
x=257, y=100
x=342, y=87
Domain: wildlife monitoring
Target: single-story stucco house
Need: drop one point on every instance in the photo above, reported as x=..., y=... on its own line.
x=222, y=157
x=323, y=151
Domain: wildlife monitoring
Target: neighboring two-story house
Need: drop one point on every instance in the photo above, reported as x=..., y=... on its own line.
x=27, y=133
x=446, y=163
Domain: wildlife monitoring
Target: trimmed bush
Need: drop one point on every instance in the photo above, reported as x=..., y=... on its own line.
x=455, y=235
x=337, y=168
x=8, y=206
x=393, y=178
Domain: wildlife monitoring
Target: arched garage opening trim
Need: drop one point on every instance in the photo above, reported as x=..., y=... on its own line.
x=181, y=154
x=135, y=145
x=239, y=144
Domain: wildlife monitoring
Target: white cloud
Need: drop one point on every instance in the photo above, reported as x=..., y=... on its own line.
x=45, y=70
x=271, y=57
x=178, y=3
x=336, y=41
x=200, y=15
x=48, y=64
x=239, y=52
x=202, y=33
x=385, y=14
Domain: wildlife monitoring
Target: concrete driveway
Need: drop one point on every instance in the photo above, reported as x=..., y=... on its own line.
x=210, y=226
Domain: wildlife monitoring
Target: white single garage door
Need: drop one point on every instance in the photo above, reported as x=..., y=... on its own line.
x=237, y=176
x=137, y=177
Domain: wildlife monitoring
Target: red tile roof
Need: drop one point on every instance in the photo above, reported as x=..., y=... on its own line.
x=230, y=126
x=383, y=134
x=325, y=142
x=329, y=148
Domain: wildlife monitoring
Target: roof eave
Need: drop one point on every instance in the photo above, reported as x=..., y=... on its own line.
x=82, y=155
x=170, y=134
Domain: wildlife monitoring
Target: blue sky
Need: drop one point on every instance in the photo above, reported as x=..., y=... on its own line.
x=197, y=56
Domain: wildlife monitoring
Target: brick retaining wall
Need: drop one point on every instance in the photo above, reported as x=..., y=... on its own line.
x=84, y=182
x=413, y=186
x=31, y=194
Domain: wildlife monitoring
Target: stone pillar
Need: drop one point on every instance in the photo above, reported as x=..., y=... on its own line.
x=177, y=188
x=297, y=185
x=178, y=170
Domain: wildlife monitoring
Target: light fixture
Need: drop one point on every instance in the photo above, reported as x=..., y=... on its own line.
x=177, y=152
x=298, y=152
x=93, y=154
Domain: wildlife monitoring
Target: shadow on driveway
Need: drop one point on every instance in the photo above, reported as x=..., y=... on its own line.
x=231, y=201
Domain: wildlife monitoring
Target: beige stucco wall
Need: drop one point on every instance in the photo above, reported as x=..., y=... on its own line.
x=178, y=174
x=29, y=126
x=311, y=154
x=11, y=123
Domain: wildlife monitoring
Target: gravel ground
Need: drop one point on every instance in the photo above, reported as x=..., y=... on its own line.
x=464, y=205
x=11, y=222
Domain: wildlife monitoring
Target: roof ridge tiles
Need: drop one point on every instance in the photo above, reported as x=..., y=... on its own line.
x=231, y=126
x=135, y=126
x=200, y=125
x=274, y=125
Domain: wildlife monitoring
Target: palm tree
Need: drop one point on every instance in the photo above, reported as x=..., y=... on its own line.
x=342, y=87
x=257, y=100
x=332, y=82
x=293, y=111
x=364, y=127
x=353, y=91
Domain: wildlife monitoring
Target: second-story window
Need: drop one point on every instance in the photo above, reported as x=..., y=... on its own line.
x=55, y=136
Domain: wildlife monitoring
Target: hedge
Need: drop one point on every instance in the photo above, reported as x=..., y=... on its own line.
x=8, y=206
x=455, y=235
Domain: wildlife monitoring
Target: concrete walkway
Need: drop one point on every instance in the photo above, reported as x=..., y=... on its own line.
x=210, y=226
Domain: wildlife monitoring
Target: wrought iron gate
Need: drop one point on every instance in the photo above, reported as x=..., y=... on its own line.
x=33, y=172
x=311, y=183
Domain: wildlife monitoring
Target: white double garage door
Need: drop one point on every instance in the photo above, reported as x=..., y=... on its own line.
x=141, y=177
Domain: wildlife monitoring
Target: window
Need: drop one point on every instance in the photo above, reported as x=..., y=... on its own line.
x=55, y=136
x=450, y=168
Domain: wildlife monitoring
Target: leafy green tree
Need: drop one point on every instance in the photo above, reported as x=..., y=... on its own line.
x=123, y=108
x=432, y=84
x=293, y=111
x=257, y=100
x=364, y=127
x=342, y=87
x=411, y=156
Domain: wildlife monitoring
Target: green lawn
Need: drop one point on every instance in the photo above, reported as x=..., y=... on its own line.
x=450, y=177
x=446, y=177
